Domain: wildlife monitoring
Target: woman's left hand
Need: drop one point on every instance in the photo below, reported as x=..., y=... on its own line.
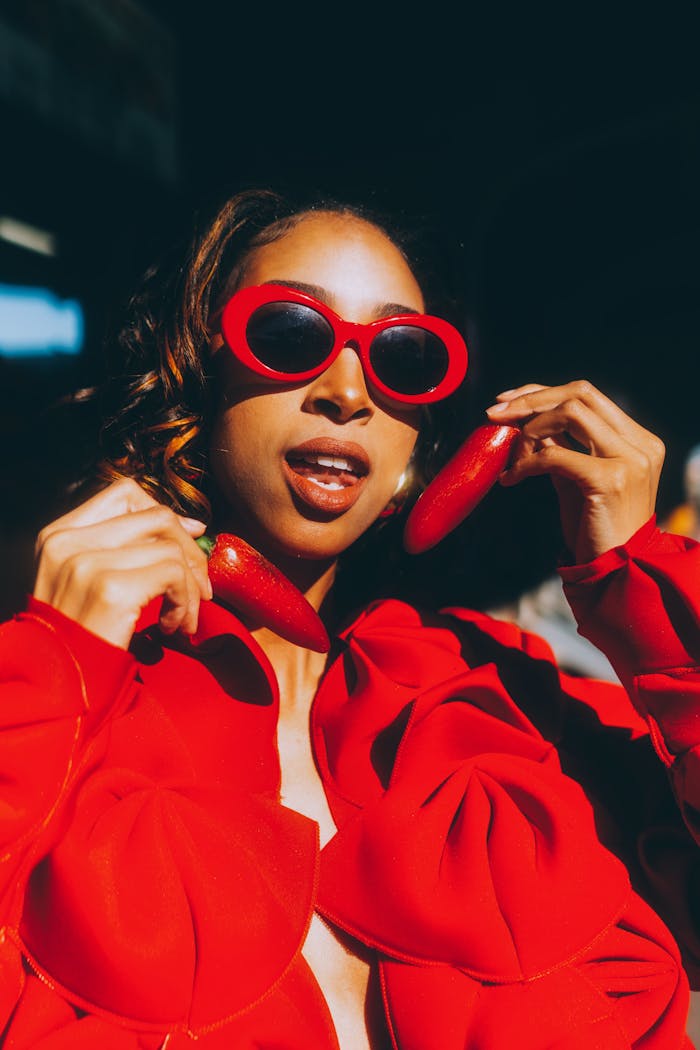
x=604, y=466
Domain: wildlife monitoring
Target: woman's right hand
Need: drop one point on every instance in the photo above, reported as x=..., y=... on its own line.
x=104, y=561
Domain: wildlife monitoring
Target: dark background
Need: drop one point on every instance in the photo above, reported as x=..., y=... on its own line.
x=555, y=157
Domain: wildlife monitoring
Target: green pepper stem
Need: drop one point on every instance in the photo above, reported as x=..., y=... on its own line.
x=206, y=543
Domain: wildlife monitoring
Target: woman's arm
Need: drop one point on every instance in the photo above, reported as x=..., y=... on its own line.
x=58, y=683
x=635, y=591
x=63, y=664
x=640, y=604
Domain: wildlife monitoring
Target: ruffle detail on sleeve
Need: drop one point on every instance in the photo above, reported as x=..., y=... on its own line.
x=43, y=1020
x=626, y=992
x=293, y=1016
x=671, y=703
x=55, y=679
x=154, y=885
x=640, y=603
x=103, y=669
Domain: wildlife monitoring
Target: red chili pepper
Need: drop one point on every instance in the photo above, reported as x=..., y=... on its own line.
x=461, y=484
x=242, y=578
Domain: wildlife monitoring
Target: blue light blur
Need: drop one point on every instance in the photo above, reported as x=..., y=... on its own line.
x=35, y=322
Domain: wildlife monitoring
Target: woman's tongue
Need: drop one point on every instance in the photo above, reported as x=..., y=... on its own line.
x=328, y=476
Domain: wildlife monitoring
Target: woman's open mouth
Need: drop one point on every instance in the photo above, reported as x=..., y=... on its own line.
x=327, y=475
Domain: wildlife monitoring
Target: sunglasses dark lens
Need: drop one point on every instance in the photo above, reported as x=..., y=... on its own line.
x=289, y=337
x=408, y=359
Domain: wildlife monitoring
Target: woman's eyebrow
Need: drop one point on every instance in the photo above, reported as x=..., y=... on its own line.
x=392, y=309
x=324, y=296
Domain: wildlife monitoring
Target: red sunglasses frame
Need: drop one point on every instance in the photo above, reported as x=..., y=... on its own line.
x=240, y=308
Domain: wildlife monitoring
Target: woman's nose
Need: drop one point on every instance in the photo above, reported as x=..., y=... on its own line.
x=340, y=393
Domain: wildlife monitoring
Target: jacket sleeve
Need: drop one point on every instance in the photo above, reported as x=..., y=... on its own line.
x=58, y=682
x=640, y=604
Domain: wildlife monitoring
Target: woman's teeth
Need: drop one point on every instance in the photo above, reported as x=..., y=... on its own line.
x=328, y=472
x=326, y=484
x=330, y=461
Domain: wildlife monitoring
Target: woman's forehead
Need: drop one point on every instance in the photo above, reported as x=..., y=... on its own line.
x=347, y=256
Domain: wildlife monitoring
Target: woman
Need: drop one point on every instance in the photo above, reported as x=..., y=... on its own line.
x=169, y=774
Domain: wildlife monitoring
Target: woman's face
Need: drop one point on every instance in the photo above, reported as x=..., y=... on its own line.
x=307, y=468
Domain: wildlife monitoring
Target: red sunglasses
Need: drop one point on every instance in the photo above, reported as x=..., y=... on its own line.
x=288, y=335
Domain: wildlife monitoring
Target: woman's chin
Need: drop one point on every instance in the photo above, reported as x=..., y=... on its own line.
x=300, y=533
x=317, y=549
x=313, y=540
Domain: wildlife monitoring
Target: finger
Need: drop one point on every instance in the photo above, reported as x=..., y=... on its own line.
x=174, y=613
x=575, y=419
x=527, y=445
x=587, y=472
x=528, y=388
x=193, y=526
x=154, y=523
x=535, y=399
x=115, y=583
x=125, y=496
x=121, y=497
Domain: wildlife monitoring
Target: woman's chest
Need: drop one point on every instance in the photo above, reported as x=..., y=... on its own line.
x=342, y=968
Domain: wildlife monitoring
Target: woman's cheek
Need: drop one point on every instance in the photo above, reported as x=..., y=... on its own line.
x=393, y=470
x=236, y=461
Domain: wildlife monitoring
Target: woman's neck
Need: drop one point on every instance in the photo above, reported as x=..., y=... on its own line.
x=299, y=670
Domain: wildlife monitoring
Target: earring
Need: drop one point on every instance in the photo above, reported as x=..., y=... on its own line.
x=401, y=493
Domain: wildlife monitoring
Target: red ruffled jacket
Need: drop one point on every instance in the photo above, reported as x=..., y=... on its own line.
x=497, y=822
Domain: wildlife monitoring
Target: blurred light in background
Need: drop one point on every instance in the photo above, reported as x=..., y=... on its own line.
x=34, y=322
x=31, y=237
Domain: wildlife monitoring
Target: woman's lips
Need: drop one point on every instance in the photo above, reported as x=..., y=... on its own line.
x=327, y=475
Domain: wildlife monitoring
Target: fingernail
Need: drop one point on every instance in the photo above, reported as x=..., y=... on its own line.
x=498, y=408
x=506, y=393
x=193, y=523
